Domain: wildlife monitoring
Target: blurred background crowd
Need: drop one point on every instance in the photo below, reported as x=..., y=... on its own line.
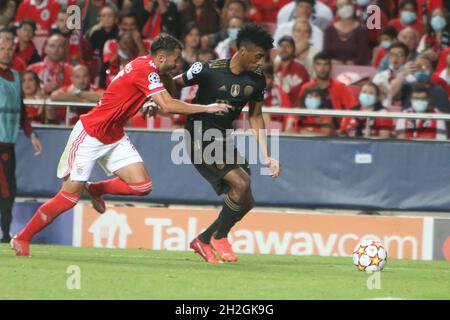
x=329, y=54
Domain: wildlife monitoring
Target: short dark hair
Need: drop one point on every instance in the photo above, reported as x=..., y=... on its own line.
x=323, y=55
x=309, y=90
x=29, y=22
x=288, y=39
x=404, y=3
x=389, y=31
x=402, y=46
x=204, y=51
x=311, y=2
x=256, y=35
x=127, y=14
x=420, y=88
x=165, y=42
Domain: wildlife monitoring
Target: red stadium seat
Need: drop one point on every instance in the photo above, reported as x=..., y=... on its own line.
x=363, y=71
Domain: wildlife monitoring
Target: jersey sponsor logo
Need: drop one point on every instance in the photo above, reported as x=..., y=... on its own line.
x=235, y=89
x=248, y=90
x=153, y=78
x=45, y=15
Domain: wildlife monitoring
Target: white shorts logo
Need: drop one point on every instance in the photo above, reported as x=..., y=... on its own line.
x=153, y=78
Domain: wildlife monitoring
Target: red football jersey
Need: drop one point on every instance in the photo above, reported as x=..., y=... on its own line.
x=421, y=128
x=44, y=14
x=123, y=98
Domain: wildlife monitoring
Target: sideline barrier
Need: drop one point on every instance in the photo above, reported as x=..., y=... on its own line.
x=317, y=172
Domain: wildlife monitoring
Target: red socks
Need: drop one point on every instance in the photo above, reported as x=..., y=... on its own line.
x=118, y=186
x=46, y=213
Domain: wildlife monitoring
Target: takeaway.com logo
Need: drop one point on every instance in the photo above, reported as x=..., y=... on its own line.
x=260, y=232
x=167, y=236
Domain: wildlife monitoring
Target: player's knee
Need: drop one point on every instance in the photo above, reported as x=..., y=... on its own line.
x=142, y=188
x=242, y=185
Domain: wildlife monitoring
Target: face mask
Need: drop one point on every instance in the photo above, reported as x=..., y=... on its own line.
x=422, y=76
x=367, y=99
x=313, y=103
x=408, y=17
x=123, y=55
x=395, y=69
x=419, y=105
x=346, y=11
x=362, y=3
x=385, y=44
x=438, y=23
x=233, y=33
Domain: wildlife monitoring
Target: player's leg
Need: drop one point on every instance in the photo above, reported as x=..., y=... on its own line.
x=6, y=219
x=64, y=200
x=132, y=177
x=75, y=166
x=8, y=189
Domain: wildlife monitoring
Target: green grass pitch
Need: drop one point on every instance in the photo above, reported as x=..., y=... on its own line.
x=144, y=274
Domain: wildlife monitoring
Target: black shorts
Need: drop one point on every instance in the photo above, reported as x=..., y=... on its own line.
x=8, y=187
x=214, y=172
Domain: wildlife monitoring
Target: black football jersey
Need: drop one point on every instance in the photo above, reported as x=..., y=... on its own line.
x=216, y=83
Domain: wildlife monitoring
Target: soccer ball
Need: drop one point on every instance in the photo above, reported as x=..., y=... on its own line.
x=370, y=255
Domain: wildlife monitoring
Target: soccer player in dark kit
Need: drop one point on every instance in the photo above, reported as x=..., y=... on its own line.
x=236, y=82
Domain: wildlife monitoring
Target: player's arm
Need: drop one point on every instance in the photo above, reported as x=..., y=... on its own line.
x=170, y=105
x=197, y=73
x=179, y=82
x=258, y=127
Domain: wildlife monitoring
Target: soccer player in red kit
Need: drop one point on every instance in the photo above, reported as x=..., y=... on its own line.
x=99, y=137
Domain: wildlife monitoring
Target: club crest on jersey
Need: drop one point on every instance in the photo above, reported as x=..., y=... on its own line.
x=45, y=15
x=153, y=78
x=235, y=89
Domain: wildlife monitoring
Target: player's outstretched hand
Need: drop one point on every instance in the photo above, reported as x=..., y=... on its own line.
x=275, y=166
x=217, y=107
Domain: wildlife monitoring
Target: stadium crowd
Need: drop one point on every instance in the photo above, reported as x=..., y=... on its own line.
x=326, y=56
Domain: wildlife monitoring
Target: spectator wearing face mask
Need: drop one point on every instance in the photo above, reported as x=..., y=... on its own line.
x=226, y=48
x=369, y=100
x=421, y=71
x=231, y=9
x=337, y=96
x=387, y=38
x=421, y=128
x=397, y=58
x=408, y=37
x=313, y=98
x=437, y=37
x=346, y=40
x=408, y=17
